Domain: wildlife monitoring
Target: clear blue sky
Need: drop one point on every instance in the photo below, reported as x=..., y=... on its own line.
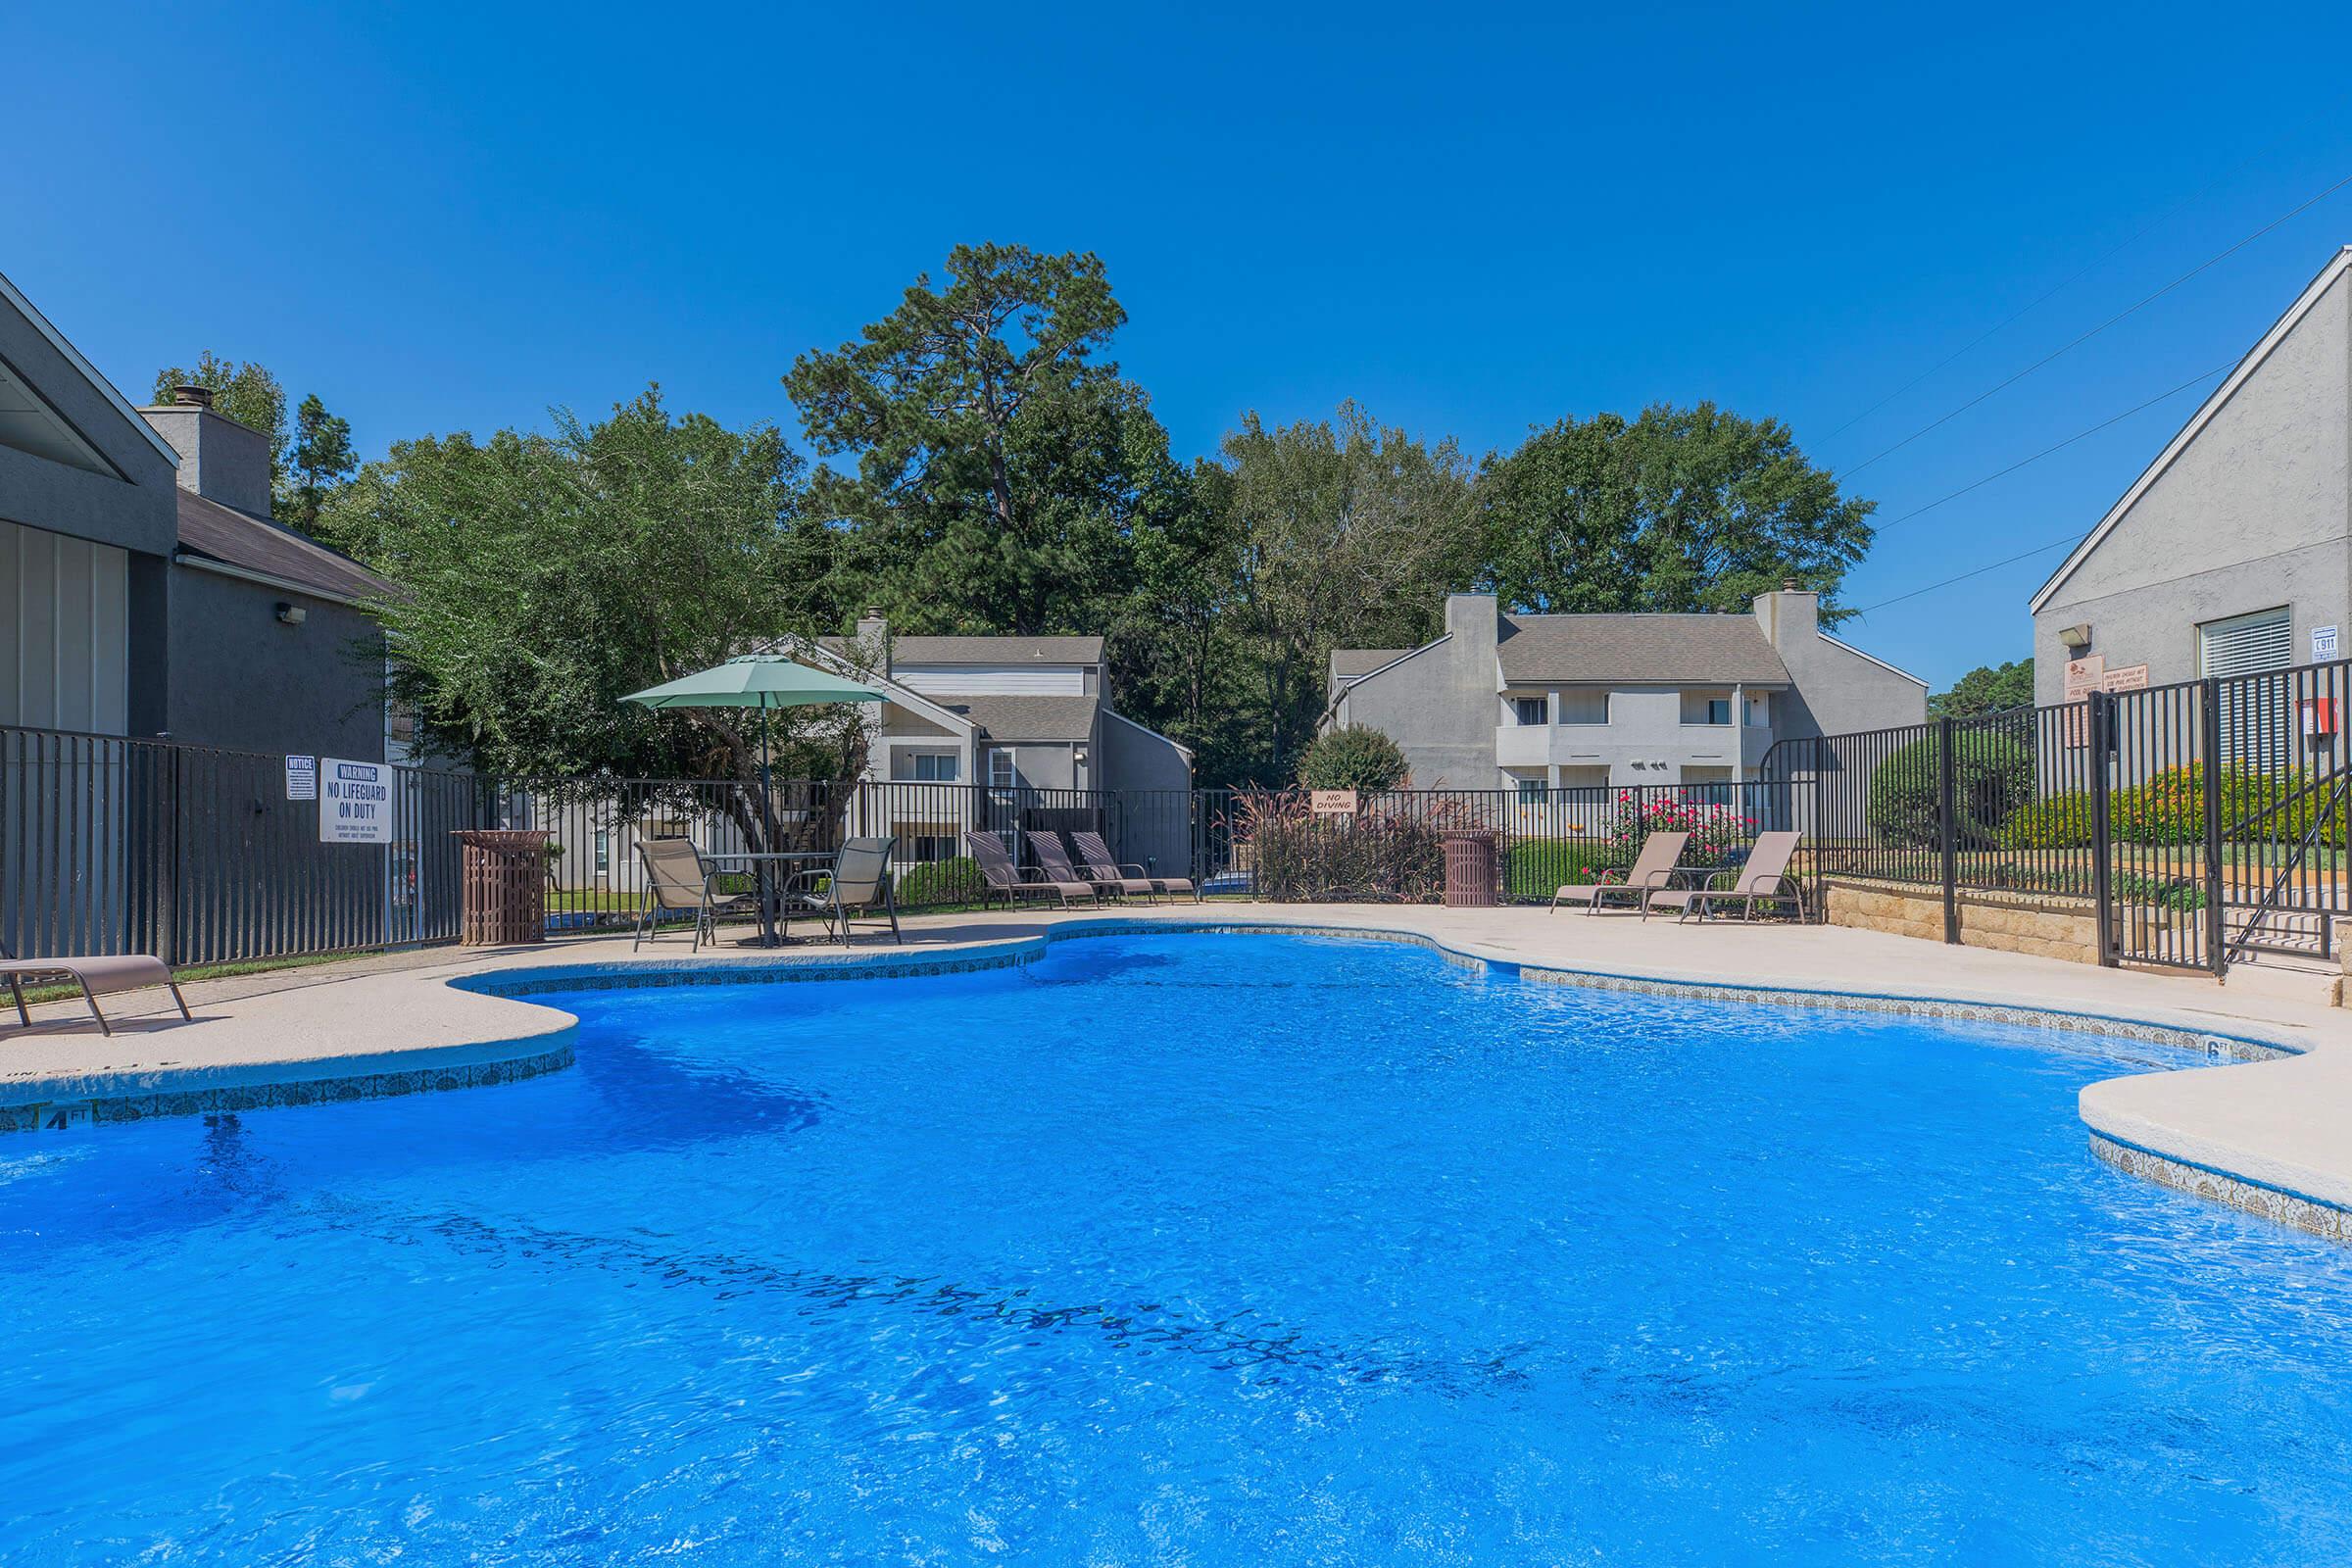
x=451, y=218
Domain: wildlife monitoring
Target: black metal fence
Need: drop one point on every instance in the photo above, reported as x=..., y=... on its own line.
x=2199, y=822
x=2202, y=822
x=196, y=854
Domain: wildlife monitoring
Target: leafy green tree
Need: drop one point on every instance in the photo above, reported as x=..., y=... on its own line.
x=542, y=577
x=246, y=393
x=1350, y=535
x=1986, y=689
x=1681, y=510
x=1000, y=464
x=1353, y=757
x=321, y=461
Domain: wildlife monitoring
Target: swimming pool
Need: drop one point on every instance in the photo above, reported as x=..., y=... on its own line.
x=1173, y=1250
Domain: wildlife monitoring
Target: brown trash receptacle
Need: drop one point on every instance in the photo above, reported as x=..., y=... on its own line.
x=504, y=898
x=1473, y=880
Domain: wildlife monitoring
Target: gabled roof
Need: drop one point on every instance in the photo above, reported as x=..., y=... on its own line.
x=106, y=389
x=1027, y=718
x=1346, y=663
x=2213, y=404
x=1666, y=648
x=255, y=548
x=993, y=650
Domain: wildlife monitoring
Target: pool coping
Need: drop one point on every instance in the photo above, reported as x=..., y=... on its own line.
x=2128, y=1142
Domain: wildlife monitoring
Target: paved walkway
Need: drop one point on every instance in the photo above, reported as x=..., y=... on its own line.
x=2280, y=1124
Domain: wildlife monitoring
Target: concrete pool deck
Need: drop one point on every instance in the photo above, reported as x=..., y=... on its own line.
x=2273, y=1135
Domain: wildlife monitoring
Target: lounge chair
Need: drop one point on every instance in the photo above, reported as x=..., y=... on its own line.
x=1055, y=857
x=997, y=871
x=1095, y=856
x=857, y=881
x=1654, y=867
x=678, y=880
x=1764, y=878
x=97, y=974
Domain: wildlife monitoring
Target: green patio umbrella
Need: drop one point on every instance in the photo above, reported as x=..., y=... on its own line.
x=763, y=681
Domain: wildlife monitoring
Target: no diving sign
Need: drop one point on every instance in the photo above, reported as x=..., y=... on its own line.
x=355, y=802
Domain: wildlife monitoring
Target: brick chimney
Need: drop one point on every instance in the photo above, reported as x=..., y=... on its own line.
x=219, y=458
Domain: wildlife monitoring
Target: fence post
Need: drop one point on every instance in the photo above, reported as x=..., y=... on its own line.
x=2099, y=727
x=2209, y=745
x=1947, y=816
x=167, y=935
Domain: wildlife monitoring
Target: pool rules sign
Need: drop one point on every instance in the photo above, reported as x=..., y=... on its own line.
x=355, y=802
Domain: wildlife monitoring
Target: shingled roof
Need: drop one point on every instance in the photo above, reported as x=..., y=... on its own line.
x=1671, y=649
x=1026, y=717
x=239, y=539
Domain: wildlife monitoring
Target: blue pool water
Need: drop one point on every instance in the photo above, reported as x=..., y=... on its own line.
x=1180, y=1249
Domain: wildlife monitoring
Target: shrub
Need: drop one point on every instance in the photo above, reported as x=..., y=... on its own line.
x=1374, y=857
x=1539, y=867
x=1715, y=830
x=2054, y=822
x=1992, y=777
x=955, y=881
x=1354, y=757
x=2169, y=808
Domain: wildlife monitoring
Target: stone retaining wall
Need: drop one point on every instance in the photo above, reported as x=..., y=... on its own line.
x=2042, y=924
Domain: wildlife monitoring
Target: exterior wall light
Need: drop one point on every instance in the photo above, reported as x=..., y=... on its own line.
x=2076, y=637
x=292, y=614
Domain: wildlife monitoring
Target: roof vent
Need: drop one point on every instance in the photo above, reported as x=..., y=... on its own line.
x=192, y=397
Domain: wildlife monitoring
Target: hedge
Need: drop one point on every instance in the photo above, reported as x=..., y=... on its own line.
x=1992, y=779
x=2169, y=808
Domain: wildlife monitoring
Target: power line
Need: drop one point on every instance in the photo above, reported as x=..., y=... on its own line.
x=2009, y=561
x=2130, y=310
x=2013, y=317
x=2038, y=550
x=2058, y=446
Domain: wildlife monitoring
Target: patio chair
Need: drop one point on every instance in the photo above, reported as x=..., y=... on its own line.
x=1055, y=857
x=677, y=879
x=1764, y=878
x=859, y=880
x=1654, y=867
x=1095, y=856
x=997, y=871
x=98, y=974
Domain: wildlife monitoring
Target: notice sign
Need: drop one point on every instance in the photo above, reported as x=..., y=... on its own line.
x=2126, y=678
x=1333, y=802
x=2084, y=676
x=302, y=778
x=2322, y=643
x=355, y=802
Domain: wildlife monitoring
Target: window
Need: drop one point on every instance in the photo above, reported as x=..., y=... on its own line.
x=1532, y=791
x=1532, y=709
x=1706, y=707
x=1001, y=774
x=1583, y=708
x=603, y=853
x=934, y=767
x=932, y=847
x=2255, y=704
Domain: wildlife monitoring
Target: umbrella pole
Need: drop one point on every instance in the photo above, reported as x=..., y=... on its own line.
x=767, y=797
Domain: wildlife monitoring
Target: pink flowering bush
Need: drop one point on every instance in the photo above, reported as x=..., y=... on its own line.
x=1715, y=830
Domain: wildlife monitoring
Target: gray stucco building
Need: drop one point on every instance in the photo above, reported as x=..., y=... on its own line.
x=1545, y=703
x=2231, y=552
x=148, y=591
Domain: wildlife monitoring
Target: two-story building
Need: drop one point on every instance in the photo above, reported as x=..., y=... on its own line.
x=146, y=590
x=2231, y=552
x=1545, y=703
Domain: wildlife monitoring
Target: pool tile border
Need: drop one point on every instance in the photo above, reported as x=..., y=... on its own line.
x=217, y=1099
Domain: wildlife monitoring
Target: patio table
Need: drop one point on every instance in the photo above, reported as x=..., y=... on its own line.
x=763, y=865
